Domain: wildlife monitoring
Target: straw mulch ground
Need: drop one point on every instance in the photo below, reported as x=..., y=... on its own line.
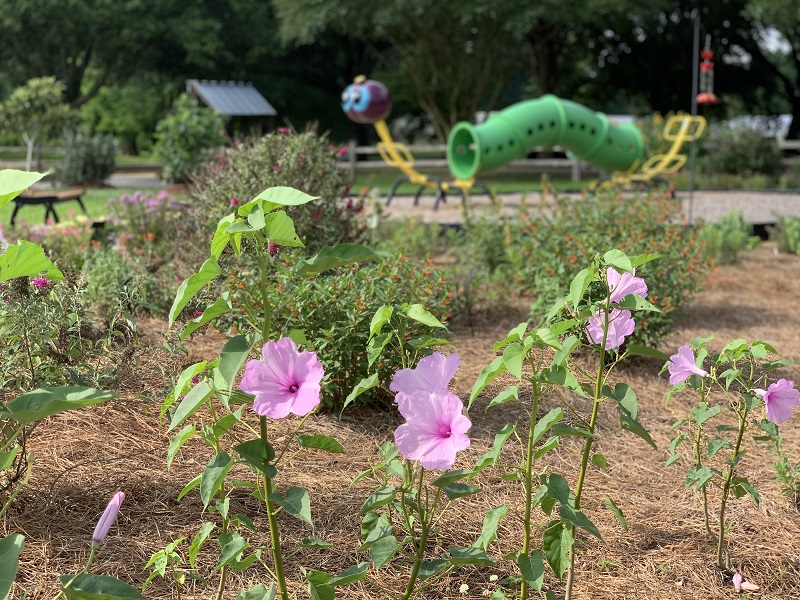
x=83, y=457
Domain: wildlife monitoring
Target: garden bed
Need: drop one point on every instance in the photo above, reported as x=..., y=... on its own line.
x=83, y=457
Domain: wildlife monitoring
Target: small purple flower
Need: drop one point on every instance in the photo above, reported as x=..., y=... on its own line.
x=285, y=381
x=273, y=249
x=621, y=285
x=682, y=365
x=234, y=202
x=197, y=313
x=620, y=325
x=108, y=518
x=779, y=399
x=41, y=282
x=435, y=429
x=195, y=379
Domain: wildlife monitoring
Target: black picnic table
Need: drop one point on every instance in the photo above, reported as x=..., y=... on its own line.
x=49, y=198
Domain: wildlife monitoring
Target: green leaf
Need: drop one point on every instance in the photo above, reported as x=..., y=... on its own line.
x=470, y=556
x=531, y=567
x=489, y=458
x=486, y=376
x=599, y=461
x=716, y=445
x=561, y=375
x=198, y=541
x=490, y=523
x=196, y=397
x=233, y=356
x=382, y=316
x=183, y=380
x=383, y=495
x=355, y=573
x=7, y=458
x=557, y=541
x=178, y=440
x=97, y=587
x=231, y=549
x=258, y=592
x=376, y=345
x=619, y=260
x=544, y=424
x=332, y=257
x=552, y=442
x=214, y=476
x=740, y=487
x=460, y=490
x=507, y=395
x=579, y=519
x=191, y=286
x=636, y=302
x=703, y=413
x=617, y=511
x=11, y=547
x=14, y=182
x=418, y=313
x=629, y=411
x=513, y=336
x=558, y=489
x=314, y=543
x=279, y=229
x=258, y=454
x=698, y=477
x=25, y=259
x=319, y=586
x=44, y=402
x=450, y=477
x=362, y=386
x=579, y=285
x=296, y=503
x=641, y=259
x=569, y=431
x=222, y=237
x=382, y=551
x=429, y=568
x=641, y=350
x=220, y=307
x=276, y=196
x=321, y=442
x=513, y=355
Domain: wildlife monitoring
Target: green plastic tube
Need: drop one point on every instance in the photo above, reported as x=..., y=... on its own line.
x=544, y=122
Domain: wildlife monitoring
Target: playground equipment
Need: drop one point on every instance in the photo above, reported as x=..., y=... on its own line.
x=516, y=131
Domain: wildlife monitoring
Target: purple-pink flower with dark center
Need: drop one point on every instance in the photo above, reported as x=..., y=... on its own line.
x=620, y=325
x=435, y=429
x=621, y=285
x=41, y=282
x=108, y=517
x=780, y=398
x=432, y=375
x=284, y=381
x=682, y=365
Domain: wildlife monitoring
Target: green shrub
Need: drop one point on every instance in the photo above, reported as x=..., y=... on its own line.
x=726, y=239
x=334, y=310
x=305, y=161
x=147, y=221
x=546, y=252
x=786, y=233
x=87, y=158
x=65, y=243
x=185, y=136
x=739, y=152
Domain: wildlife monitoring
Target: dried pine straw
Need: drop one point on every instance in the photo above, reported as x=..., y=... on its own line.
x=83, y=457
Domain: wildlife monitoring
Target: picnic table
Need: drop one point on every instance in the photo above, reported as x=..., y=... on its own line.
x=49, y=198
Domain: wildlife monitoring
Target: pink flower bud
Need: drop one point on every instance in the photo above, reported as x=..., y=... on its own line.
x=108, y=518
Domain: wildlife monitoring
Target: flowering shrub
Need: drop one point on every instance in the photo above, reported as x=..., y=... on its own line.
x=146, y=220
x=303, y=161
x=546, y=250
x=65, y=243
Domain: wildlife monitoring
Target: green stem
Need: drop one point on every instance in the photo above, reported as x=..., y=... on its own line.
x=423, y=541
x=267, y=322
x=274, y=535
x=19, y=487
x=698, y=464
x=28, y=349
x=724, y=563
x=528, y=475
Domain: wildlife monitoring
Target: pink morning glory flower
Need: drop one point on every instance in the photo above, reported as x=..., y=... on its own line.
x=682, y=365
x=108, y=517
x=432, y=375
x=285, y=381
x=622, y=285
x=435, y=429
x=780, y=398
x=743, y=586
x=620, y=325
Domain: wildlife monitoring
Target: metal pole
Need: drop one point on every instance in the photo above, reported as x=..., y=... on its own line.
x=695, y=67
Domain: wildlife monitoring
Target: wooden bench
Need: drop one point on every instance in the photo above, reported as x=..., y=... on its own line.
x=49, y=198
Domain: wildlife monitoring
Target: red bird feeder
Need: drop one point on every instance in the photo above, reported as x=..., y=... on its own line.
x=706, y=95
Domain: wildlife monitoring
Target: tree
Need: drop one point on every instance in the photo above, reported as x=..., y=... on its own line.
x=35, y=110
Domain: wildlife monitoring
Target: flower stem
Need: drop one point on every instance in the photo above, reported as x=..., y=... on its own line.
x=723, y=560
x=528, y=475
x=423, y=540
x=267, y=322
x=704, y=491
x=274, y=534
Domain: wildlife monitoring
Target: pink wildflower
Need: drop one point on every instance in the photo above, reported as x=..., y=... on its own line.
x=621, y=285
x=435, y=429
x=277, y=168
x=108, y=518
x=682, y=365
x=620, y=325
x=779, y=399
x=272, y=249
x=234, y=202
x=41, y=282
x=341, y=151
x=743, y=586
x=285, y=381
x=283, y=130
x=197, y=313
x=432, y=375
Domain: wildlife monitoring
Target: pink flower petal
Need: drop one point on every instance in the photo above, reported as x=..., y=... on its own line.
x=682, y=365
x=621, y=285
x=779, y=399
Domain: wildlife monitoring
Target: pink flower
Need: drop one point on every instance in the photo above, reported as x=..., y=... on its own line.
x=234, y=202
x=743, y=586
x=272, y=248
x=108, y=518
x=41, y=282
x=276, y=168
x=435, y=429
x=780, y=398
x=285, y=381
x=283, y=130
x=197, y=313
x=431, y=376
x=682, y=365
x=624, y=284
x=620, y=325
x=342, y=151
